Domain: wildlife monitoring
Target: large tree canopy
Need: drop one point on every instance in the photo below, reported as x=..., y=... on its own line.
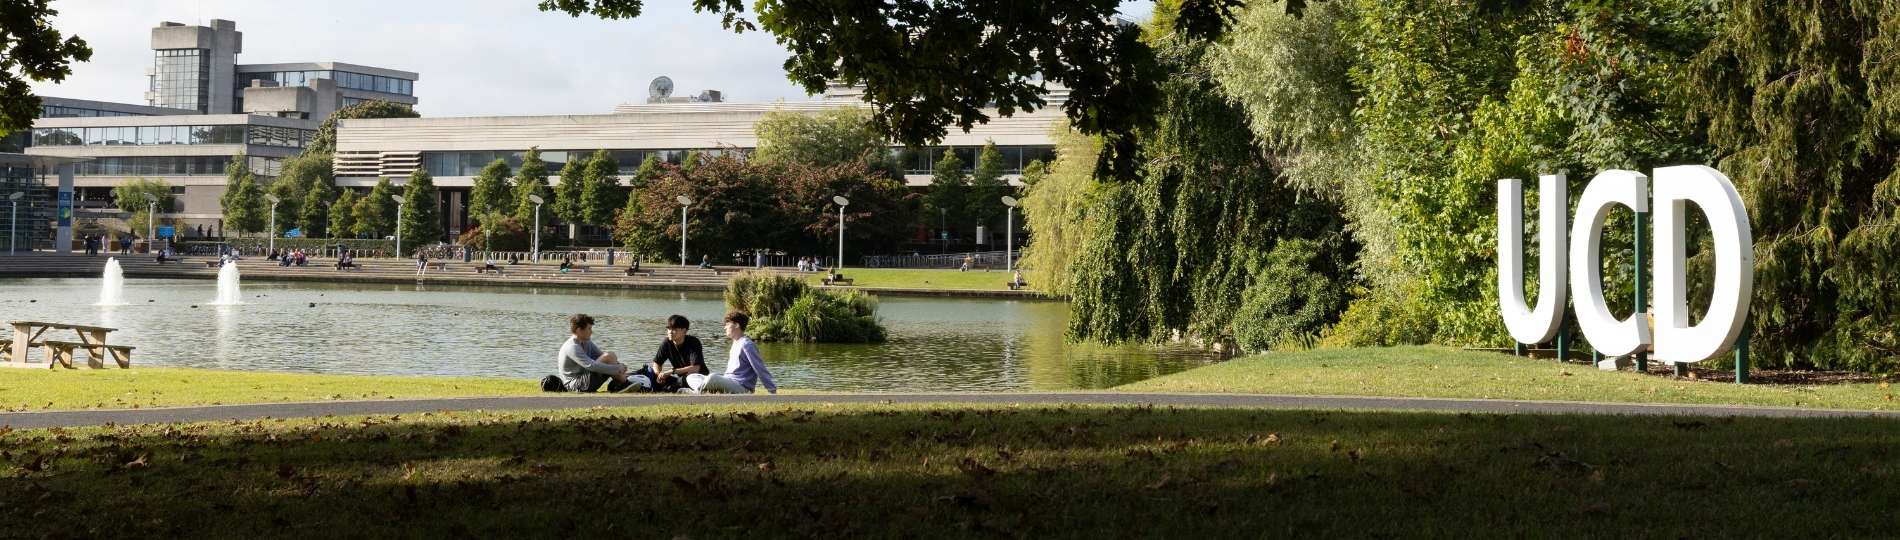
x=31, y=49
x=926, y=65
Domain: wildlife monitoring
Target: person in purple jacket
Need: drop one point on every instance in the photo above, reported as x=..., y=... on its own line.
x=745, y=369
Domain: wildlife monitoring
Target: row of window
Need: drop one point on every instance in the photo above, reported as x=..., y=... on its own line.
x=162, y=135
x=181, y=79
x=912, y=160
x=162, y=166
x=61, y=111
x=344, y=79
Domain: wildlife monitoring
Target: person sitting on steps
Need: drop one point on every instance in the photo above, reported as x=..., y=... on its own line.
x=705, y=262
x=635, y=267
x=566, y=263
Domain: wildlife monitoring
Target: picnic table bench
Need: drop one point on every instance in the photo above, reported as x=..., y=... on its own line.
x=27, y=334
x=1017, y=285
x=836, y=279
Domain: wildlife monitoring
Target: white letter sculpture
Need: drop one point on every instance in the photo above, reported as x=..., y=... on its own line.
x=1734, y=286
x=1532, y=325
x=1610, y=336
x=1674, y=188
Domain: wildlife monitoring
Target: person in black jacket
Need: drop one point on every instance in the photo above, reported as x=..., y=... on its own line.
x=679, y=355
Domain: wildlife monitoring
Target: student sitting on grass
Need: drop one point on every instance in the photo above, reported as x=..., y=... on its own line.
x=583, y=367
x=744, y=366
x=680, y=355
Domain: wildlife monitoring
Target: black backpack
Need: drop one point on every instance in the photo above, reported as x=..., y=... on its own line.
x=552, y=383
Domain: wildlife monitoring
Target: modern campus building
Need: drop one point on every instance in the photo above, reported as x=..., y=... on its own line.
x=202, y=110
x=455, y=149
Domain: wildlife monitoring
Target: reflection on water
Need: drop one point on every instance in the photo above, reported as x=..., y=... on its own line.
x=936, y=344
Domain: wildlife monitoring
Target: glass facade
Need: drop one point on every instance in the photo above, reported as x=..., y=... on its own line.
x=162, y=166
x=182, y=79
x=162, y=135
x=344, y=79
x=922, y=160
x=58, y=111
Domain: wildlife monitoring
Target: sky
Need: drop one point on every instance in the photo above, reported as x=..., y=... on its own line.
x=475, y=57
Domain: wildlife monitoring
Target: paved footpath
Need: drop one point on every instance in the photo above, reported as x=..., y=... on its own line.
x=46, y=419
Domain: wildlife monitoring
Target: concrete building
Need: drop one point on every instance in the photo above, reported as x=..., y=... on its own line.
x=454, y=150
x=202, y=110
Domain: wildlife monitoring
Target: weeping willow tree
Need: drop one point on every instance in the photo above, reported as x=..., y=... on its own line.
x=1803, y=105
x=1181, y=248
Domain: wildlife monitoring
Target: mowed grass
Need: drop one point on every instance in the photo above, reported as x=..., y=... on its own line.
x=36, y=389
x=897, y=278
x=1441, y=372
x=958, y=471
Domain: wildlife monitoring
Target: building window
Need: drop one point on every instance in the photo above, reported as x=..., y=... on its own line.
x=163, y=135
x=182, y=79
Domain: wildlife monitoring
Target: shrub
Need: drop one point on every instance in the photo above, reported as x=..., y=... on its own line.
x=1289, y=300
x=786, y=308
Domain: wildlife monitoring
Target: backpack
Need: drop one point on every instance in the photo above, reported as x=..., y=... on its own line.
x=552, y=383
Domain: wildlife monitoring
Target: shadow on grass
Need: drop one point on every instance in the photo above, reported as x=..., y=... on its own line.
x=972, y=471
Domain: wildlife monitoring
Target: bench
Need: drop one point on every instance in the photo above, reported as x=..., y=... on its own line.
x=836, y=279
x=1017, y=285
x=61, y=352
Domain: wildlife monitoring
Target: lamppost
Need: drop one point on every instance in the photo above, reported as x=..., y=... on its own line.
x=1009, y=234
x=841, y=204
x=534, y=250
x=399, y=205
x=151, y=222
x=13, y=220
x=684, y=201
x=273, y=217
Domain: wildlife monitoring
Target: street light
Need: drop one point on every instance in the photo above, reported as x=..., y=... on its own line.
x=398, y=199
x=1009, y=234
x=13, y=220
x=841, y=204
x=151, y=221
x=684, y=201
x=535, y=252
x=273, y=217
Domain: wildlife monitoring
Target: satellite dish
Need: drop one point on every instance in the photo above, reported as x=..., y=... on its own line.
x=840, y=200
x=660, y=88
x=684, y=200
x=1009, y=201
x=536, y=199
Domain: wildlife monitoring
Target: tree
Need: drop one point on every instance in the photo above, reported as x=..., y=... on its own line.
x=630, y=230
x=733, y=208
x=531, y=179
x=880, y=217
x=824, y=139
x=692, y=159
x=1799, y=103
x=376, y=213
x=987, y=187
x=600, y=189
x=567, y=193
x=949, y=194
x=649, y=171
x=243, y=200
x=325, y=140
x=343, y=214
x=130, y=197
x=313, y=216
x=31, y=50
x=926, y=65
x=421, y=219
x=1053, y=211
x=491, y=192
x=289, y=204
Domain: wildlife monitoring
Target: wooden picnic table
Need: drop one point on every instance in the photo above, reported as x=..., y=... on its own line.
x=27, y=334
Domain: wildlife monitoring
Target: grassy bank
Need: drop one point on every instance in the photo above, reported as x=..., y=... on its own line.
x=895, y=278
x=36, y=389
x=1451, y=373
x=890, y=471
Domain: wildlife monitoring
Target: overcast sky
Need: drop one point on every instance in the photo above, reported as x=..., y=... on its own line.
x=475, y=57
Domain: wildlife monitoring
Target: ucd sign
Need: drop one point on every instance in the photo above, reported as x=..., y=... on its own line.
x=1675, y=340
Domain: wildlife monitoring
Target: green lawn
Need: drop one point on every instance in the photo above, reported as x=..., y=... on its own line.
x=958, y=471
x=1451, y=373
x=35, y=389
x=896, y=278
